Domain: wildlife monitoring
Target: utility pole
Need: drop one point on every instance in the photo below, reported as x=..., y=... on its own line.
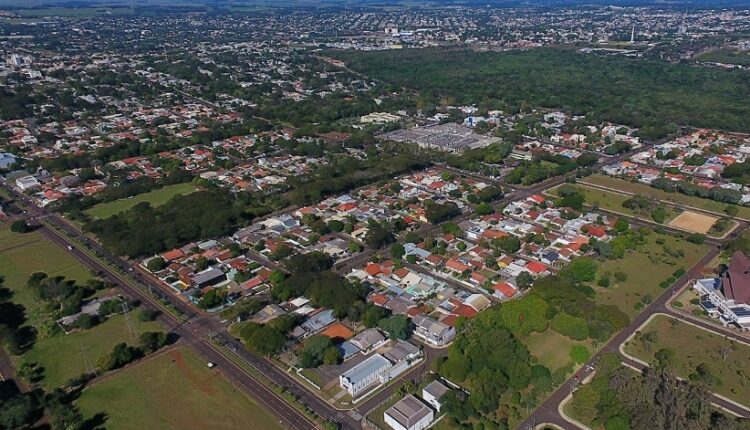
x=86, y=363
x=131, y=328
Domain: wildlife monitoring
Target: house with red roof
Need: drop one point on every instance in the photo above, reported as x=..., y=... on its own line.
x=378, y=299
x=595, y=231
x=434, y=260
x=494, y=234
x=251, y=284
x=173, y=255
x=537, y=198
x=373, y=269
x=504, y=290
x=456, y=266
x=536, y=267
x=477, y=278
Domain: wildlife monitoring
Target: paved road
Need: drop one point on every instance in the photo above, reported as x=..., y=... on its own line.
x=197, y=332
x=548, y=411
x=201, y=328
x=197, y=328
x=414, y=374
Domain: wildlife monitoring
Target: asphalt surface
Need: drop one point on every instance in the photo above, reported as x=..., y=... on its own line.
x=197, y=332
x=203, y=332
x=196, y=328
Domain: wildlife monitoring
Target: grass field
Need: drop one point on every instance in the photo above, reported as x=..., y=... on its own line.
x=23, y=254
x=173, y=391
x=155, y=198
x=676, y=198
x=62, y=356
x=612, y=201
x=646, y=267
x=726, y=56
x=725, y=359
x=551, y=348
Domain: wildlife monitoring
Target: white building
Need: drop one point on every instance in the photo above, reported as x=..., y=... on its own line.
x=728, y=296
x=27, y=183
x=432, y=331
x=388, y=362
x=409, y=413
x=362, y=376
x=432, y=394
x=378, y=118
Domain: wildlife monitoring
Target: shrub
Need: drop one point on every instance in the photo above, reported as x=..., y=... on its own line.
x=573, y=327
x=621, y=276
x=86, y=321
x=20, y=226
x=147, y=315
x=579, y=354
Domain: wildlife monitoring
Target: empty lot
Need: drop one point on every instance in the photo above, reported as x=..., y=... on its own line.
x=693, y=222
x=173, y=391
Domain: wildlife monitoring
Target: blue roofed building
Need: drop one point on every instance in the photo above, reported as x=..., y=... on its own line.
x=727, y=297
x=348, y=350
x=6, y=160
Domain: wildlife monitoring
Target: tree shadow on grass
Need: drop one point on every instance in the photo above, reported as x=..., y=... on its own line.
x=96, y=422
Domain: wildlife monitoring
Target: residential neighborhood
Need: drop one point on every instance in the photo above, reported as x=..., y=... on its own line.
x=391, y=216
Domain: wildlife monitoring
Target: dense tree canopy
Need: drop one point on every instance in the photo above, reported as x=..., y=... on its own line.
x=185, y=218
x=646, y=94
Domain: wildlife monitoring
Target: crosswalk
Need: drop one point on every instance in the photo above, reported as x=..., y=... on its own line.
x=354, y=414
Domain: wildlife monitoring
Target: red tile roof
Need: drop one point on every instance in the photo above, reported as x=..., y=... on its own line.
x=457, y=265
x=504, y=288
x=251, y=283
x=373, y=269
x=379, y=299
x=172, y=255
x=536, y=267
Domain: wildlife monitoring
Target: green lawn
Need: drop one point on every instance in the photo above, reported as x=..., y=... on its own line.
x=173, y=391
x=155, y=198
x=551, y=348
x=314, y=377
x=612, y=201
x=727, y=56
x=61, y=355
x=725, y=359
x=23, y=254
x=676, y=198
x=646, y=267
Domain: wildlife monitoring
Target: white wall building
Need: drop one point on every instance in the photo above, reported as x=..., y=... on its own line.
x=409, y=413
x=432, y=394
x=367, y=373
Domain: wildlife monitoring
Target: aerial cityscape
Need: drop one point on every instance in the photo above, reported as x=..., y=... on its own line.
x=380, y=215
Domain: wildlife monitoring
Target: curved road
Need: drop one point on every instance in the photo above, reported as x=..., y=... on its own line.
x=548, y=411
